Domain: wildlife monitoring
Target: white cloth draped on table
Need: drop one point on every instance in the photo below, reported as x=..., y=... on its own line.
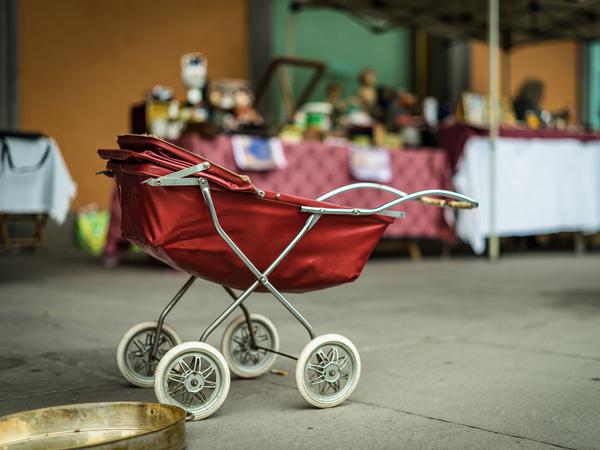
x=31, y=184
x=543, y=186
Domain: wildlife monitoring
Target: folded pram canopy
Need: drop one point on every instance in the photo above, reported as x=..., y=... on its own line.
x=173, y=223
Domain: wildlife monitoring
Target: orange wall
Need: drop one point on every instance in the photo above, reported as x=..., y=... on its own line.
x=84, y=62
x=554, y=62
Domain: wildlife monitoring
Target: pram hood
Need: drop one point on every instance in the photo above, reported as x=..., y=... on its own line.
x=173, y=224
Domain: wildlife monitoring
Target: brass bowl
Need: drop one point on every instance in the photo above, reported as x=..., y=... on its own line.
x=118, y=425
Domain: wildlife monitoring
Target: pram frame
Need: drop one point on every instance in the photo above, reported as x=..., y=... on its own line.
x=179, y=178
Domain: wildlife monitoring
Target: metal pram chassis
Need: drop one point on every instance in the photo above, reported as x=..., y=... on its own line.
x=196, y=376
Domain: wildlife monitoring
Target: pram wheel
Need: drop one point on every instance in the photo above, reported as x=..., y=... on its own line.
x=236, y=345
x=133, y=352
x=328, y=370
x=193, y=376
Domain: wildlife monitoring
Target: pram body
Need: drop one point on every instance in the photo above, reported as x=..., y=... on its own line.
x=174, y=225
x=214, y=224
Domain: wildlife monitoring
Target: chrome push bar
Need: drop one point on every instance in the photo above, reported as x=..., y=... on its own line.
x=458, y=201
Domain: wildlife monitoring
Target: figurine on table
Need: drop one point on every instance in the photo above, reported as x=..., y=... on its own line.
x=338, y=105
x=407, y=108
x=244, y=111
x=367, y=91
x=387, y=107
x=232, y=104
x=193, y=74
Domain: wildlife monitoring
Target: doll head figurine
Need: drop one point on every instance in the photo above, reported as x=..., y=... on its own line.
x=232, y=103
x=244, y=107
x=367, y=93
x=334, y=93
x=243, y=97
x=407, y=102
x=220, y=95
x=193, y=74
x=367, y=78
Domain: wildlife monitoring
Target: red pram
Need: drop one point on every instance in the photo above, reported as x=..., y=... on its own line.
x=215, y=224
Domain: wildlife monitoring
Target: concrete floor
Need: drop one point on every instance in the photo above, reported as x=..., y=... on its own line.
x=456, y=353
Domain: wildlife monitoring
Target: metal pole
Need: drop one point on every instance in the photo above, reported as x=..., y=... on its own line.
x=506, y=74
x=286, y=74
x=494, y=55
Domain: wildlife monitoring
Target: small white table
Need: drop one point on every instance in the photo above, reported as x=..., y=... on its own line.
x=34, y=181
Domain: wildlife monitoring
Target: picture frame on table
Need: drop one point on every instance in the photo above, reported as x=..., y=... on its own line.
x=507, y=112
x=474, y=108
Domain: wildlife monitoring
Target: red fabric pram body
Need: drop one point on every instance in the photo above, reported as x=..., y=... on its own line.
x=173, y=223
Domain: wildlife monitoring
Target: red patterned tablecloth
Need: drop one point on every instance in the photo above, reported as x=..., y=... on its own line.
x=315, y=168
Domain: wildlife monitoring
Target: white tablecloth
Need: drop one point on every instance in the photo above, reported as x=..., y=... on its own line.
x=543, y=186
x=49, y=189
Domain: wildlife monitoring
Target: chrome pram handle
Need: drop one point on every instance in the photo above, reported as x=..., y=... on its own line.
x=458, y=201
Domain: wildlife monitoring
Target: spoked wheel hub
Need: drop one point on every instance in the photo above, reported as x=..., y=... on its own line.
x=332, y=373
x=328, y=370
x=243, y=350
x=135, y=348
x=244, y=359
x=193, y=376
x=141, y=349
x=192, y=379
x=194, y=382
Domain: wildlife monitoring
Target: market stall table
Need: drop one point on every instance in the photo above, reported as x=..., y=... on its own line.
x=548, y=181
x=34, y=184
x=314, y=168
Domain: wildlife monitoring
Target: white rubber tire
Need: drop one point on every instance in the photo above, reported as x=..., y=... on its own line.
x=235, y=366
x=303, y=360
x=126, y=371
x=207, y=351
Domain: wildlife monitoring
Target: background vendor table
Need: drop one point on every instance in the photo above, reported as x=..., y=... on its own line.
x=34, y=184
x=315, y=168
x=34, y=178
x=544, y=185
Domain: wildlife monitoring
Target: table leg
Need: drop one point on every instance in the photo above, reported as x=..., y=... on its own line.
x=414, y=250
x=579, y=240
x=4, y=232
x=446, y=252
x=40, y=229
x=39, y=236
